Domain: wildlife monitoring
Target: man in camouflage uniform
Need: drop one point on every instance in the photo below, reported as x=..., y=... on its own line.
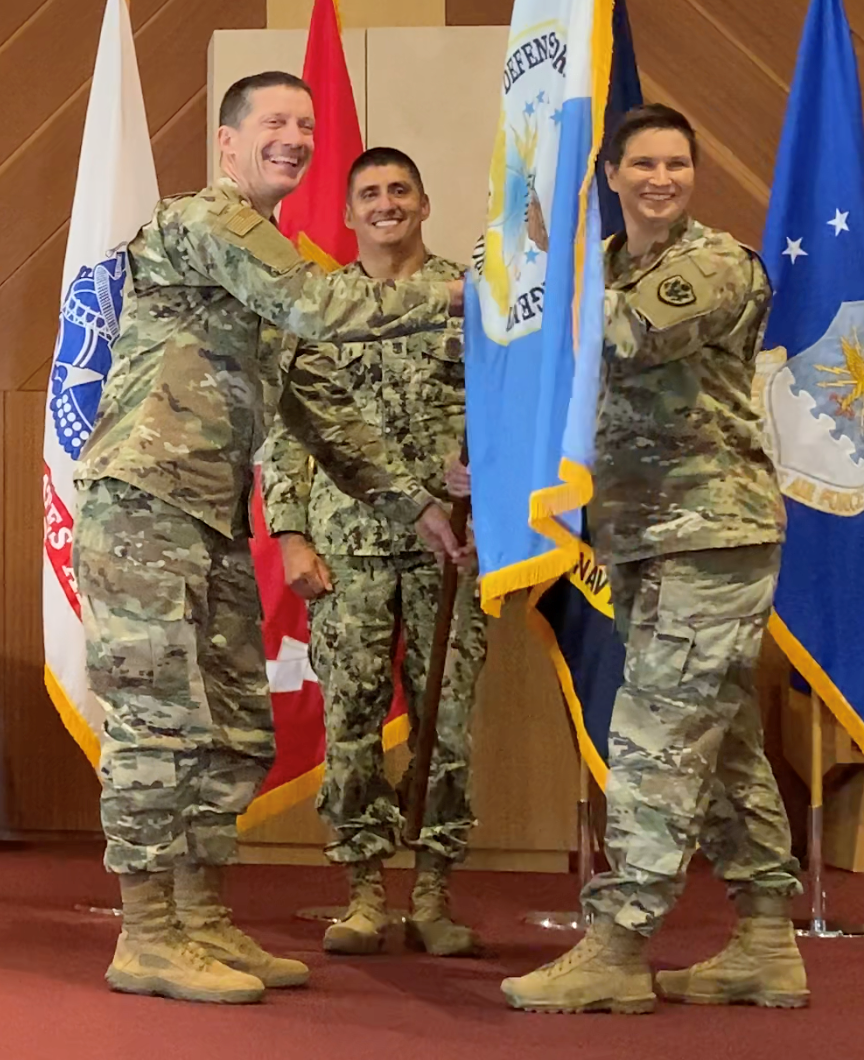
x=689, y=519
x=368, y=578
x=168, y=596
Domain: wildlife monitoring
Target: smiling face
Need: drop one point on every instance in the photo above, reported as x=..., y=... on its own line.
x=655, y=178
x=386, y=208
x=270, y=150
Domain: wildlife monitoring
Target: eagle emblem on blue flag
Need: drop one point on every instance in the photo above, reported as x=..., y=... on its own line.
x=89, y=324
x=813, y=407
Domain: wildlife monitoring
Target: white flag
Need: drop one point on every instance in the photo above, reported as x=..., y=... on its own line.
x=115, y=194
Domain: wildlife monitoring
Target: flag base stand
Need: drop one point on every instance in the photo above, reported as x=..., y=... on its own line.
x=575, y=920
x=97, y=910
x=817, y=926
x=332, y=914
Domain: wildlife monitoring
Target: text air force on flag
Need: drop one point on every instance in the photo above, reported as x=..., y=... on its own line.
x=115, y=194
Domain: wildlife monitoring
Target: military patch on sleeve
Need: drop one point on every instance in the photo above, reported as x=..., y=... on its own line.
x=243, y=220
x=677, y=291
x=244, y=227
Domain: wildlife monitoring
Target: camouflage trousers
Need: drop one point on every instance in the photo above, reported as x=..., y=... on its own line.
x=686, y=759
x=174, y=656
x=353, y=636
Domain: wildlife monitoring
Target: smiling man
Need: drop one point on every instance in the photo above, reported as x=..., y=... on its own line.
x=689, y=519
x=368, y=578
x=168, y=596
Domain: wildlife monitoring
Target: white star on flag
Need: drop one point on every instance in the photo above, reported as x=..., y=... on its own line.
x=793, y=249
x=839, y=222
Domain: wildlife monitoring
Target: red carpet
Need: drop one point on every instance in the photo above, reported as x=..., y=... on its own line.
x=54, y=1004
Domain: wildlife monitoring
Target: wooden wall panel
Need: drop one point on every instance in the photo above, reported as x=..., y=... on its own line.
x=58, y=69
x=143, y=10
x=719, y=86
x=294, y=14
x=46, y=60
x=48, y=780
x=479, y=12
x=39, y=175
x=180, y=148
x=758, y=30
x=3, y=506
x=174, y=43
x=29, y=307
x=14, y=14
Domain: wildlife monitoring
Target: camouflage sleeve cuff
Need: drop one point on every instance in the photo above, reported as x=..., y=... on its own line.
x=284, y=513
x=407, y=506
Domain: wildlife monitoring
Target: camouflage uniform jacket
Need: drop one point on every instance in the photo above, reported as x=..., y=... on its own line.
x=181, y=415
x=680, y=464
x=411, y=391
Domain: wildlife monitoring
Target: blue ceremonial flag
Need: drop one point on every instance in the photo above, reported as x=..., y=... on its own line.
x=625, y=92
x=534, y=331
x=534, y=306
x=811, y=373
x=574, y=615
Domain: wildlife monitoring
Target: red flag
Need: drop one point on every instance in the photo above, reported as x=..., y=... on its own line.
x=313, y=217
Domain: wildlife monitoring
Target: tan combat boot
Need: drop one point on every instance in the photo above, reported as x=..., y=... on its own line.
x=204, y=918
x=605, y=972
x=362, y=929
x=153, y=957
x=430, y=927
x=760, y=965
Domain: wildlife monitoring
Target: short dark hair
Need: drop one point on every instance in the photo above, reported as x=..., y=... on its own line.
x=649, y=116
x=384, y=156
x=236, y=103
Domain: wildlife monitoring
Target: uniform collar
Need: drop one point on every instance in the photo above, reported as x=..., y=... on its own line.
x=357, y=265
x=229, y=185
x=622, y=269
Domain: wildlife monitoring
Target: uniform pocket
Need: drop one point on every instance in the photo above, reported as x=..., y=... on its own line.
x=706, y=617
x=657, y=655
x=140, y=635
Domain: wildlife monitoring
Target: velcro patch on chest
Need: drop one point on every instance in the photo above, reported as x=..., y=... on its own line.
x=672, y=294
x=677, y=291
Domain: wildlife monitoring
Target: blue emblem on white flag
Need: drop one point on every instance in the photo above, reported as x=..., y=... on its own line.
x=115, y=194
x=811, y=374
x=89, y=324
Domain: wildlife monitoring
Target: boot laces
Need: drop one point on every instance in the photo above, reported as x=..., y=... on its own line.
x=195, y=954
x=239, y=939
x=590, y=946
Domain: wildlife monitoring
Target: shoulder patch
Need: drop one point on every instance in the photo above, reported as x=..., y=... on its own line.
x=677, y=291
x=243, y=220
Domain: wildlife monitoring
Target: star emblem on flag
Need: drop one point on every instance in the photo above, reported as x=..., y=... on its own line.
x=794, y=250
x=838, y=222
